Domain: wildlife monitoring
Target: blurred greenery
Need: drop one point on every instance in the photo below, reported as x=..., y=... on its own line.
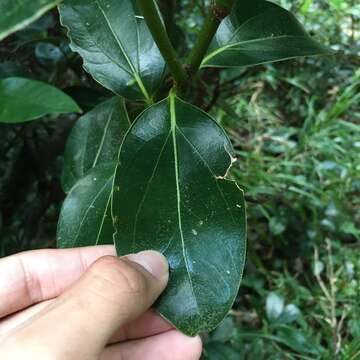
x=295, y=126
x=296, y=129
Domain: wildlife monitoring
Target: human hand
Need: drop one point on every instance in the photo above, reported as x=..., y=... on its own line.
x=86, y=304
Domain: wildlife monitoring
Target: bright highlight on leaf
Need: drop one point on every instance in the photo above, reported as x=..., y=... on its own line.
x=170, y=195
x=16, y=14
x=95, y=139
x=116, y=45
x=24, y=100
x=257, y=32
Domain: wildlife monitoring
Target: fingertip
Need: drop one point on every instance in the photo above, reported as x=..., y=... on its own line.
x=191, y=345
x=170, y=345
x=152, y=261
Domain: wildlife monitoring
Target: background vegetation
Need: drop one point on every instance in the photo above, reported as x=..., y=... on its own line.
x=296, y=129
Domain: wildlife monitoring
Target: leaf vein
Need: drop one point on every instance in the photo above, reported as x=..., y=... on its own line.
x=103, y=137
x=147, y=188
x=131, y=65
x=210, y=170
x=178, y=194
x=87, y=211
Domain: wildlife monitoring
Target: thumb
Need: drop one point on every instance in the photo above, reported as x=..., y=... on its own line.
x=112, y=292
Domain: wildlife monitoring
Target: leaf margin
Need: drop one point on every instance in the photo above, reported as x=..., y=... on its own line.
x=29, y=20
x=172, y=95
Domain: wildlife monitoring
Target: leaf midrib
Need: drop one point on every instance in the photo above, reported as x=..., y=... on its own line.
x=178, y=195
x=105, y=214
x=103, y=137
x=48, y=109
x=209, y=168
x=147, y=188
x=88, y=209
x=229, y=46
x=131, y=65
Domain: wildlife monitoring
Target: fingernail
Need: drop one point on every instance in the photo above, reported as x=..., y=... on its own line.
x=153, y=261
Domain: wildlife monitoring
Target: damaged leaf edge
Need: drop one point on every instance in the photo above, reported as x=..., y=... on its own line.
x=74, y=47
x=222, y=179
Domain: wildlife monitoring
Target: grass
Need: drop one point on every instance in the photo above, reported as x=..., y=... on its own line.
x=301, y=176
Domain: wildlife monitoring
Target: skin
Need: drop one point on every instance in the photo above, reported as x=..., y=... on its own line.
x=87, y=304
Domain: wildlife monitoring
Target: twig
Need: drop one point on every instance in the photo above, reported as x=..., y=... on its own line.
x=218, y=10
x=215, y=96
x=158, y=31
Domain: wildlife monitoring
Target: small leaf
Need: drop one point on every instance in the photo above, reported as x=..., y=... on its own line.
x=296, y=340
x=336, y=3
x=318, y=267
x=224, y=331
x=95, y=139
x=16, y=14
x=85, y=217
x=306, y=6
x=116, y=45
x=290, y=314
x=170, y=195
x=274, y=306
x=220, y=351
x=288, y=336
x=24, y=100
x=257, y=32
x=350, y=228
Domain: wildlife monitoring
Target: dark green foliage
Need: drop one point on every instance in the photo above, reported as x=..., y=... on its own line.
x=95, y=139
x=173, y=182
x=115, y=44
x=295, y=130
x=85, y=217
x=298, y=160
x=33, y=105
x=258, y=32
x=17, y=14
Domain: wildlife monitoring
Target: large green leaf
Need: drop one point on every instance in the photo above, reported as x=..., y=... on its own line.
x=256, y=32
x=170, y=195
x=24, y=100
x=116, y=45
x=16, y=14
x=95, y=139
x=85, y=217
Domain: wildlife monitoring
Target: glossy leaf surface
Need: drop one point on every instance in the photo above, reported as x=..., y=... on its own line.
x=24, y=100
x=95, y=139
x=256, y=32
x=116, y=45
x=170, y=195
x=85, y=217
x=16, y=14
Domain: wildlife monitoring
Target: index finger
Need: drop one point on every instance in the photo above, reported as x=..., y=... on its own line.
x=34, y=276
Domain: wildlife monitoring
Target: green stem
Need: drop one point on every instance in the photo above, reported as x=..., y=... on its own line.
x=157, y=29
x=217, y=12
x=206, y=34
